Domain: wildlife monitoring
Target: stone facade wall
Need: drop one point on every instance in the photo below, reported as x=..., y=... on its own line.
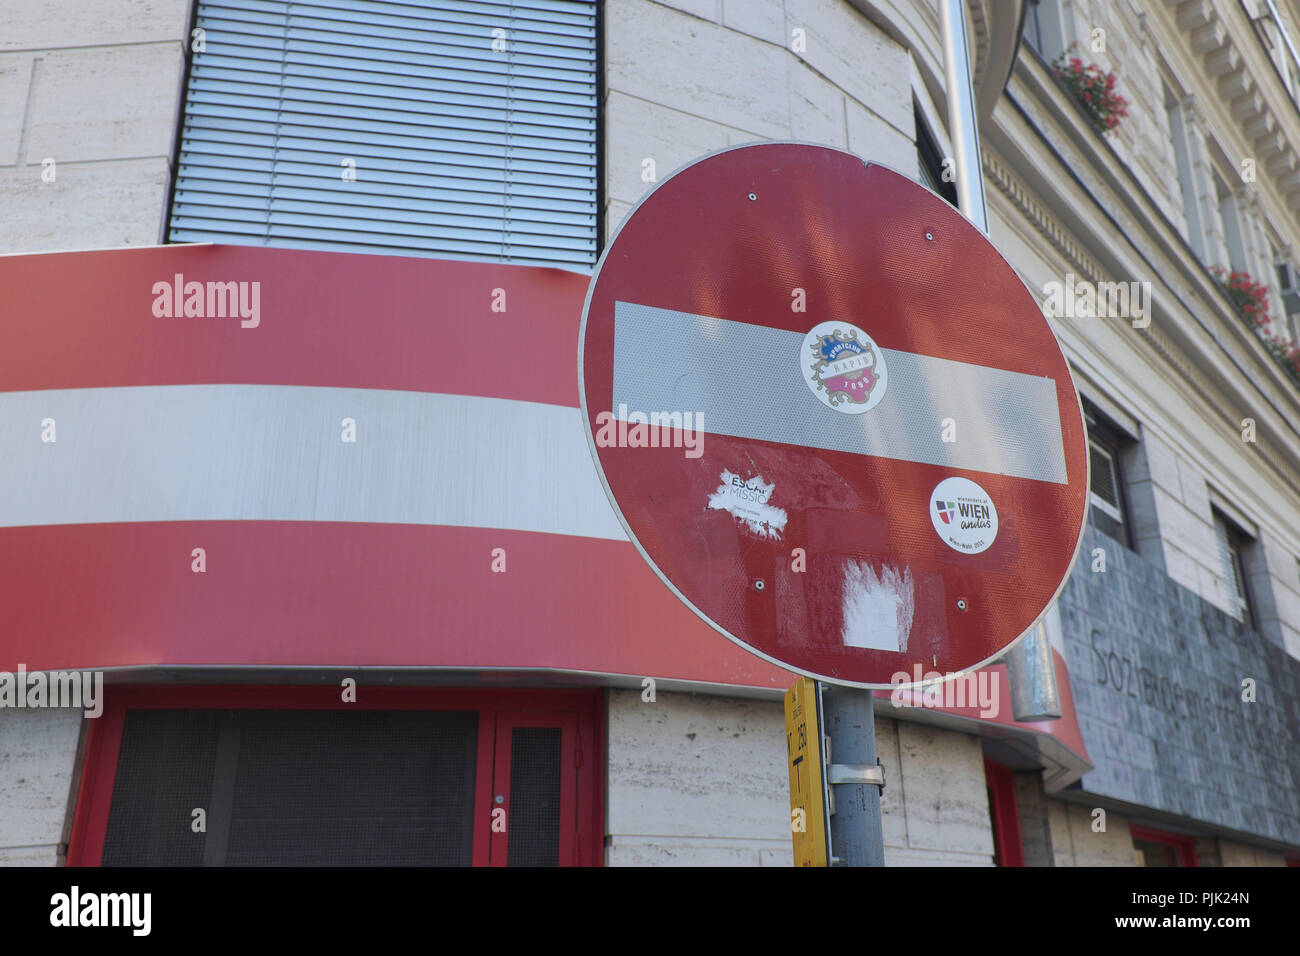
x=1157, y=675
x=701, y=780
x=89, y=99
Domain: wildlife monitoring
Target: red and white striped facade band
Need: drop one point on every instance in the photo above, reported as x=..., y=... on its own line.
x=159, y=400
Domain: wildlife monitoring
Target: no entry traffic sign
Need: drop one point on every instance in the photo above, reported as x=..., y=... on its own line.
x=831, y=416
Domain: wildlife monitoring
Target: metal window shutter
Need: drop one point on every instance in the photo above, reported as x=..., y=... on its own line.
x=1228, y=569
x=1105, y=481
x=460, y=151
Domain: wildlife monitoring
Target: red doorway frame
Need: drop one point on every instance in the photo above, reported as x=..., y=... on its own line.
x=586, y=707
x=1005, y=813
x=1184, y=846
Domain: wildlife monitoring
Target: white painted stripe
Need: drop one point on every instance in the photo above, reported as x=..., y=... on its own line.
x=747, y=382
x=274, y=452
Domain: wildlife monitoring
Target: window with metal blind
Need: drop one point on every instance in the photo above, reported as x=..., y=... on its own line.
x=1105, y=480
x=1106, y=483
x=1231, y=545
x=451, y=128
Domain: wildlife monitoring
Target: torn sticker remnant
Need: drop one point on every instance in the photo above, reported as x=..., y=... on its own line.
x=748, y=501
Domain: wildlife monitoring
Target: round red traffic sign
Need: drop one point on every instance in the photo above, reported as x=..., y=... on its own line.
x=831, y=417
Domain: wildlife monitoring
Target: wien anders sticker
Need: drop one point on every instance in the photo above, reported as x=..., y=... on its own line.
x=963, y=515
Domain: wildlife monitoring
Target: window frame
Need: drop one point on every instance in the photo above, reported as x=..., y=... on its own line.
x=1049, y=29
x=1110, y=440
x=1230, y=219
x=1034, y=40
x=1238, y=542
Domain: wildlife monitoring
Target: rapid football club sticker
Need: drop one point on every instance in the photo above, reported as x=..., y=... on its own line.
x=843, y=367
x=963, y=515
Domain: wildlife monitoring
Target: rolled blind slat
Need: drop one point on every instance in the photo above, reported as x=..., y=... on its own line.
x=309, y=176
x=459, y=150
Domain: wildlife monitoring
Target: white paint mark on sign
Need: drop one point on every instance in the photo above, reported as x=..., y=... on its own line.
x=877, y=609
x=748, y=501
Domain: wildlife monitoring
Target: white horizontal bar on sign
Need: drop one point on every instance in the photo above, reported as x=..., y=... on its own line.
x=275, y=453
x=748, y=382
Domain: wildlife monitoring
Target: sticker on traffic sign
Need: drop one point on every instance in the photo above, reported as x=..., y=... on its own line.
x=831, y=417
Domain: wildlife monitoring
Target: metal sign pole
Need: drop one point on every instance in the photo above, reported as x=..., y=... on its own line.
x=963, y=126
x=854, y=778
x=1034, y=694
x=853, y=786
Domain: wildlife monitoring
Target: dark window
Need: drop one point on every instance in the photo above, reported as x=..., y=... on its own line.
x=930, y=161
x=465, y=130
x=1107, y=510
x=1288, y=284
x=286, y=788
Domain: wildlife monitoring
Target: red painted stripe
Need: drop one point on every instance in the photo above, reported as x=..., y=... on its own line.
x=318, y=594
x=335, y=594
x=85, y=319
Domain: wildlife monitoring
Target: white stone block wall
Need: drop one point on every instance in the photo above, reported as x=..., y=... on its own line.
x=95, y=88
x=1182, y=520
x=38, y=752
x=690, y=77
x=696, y=780
x=1075, y=842
x=935, y=803
x=701, y=780
x=1240, y=854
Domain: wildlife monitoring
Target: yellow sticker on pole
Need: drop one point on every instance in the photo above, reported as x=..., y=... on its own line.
x=803, y=736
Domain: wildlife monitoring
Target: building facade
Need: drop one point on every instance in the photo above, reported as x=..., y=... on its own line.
x=295, y=459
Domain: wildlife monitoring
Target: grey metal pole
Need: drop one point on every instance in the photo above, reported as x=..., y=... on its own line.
x=853, y=778
x=962, y=125
x=1034, y=694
